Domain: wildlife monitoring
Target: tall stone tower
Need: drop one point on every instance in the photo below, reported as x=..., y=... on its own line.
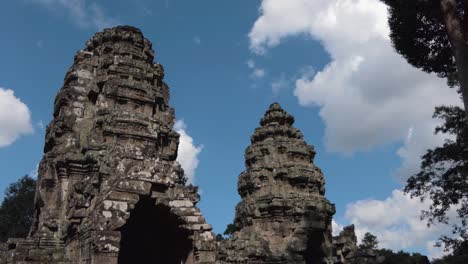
x=109, y=187
x=283, y=216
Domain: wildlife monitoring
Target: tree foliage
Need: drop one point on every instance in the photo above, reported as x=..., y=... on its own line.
x=16, y=210
x=230, y=229
x=432, y=35
x=459, y=256
x=443, y=177
x=402, y=257
x=418, y=33
x=369, y=242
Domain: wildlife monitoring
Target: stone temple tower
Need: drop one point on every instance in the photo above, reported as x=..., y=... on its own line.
x=109, y=187
x=283, y=216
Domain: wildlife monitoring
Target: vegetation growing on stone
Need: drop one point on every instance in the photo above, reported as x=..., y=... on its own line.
x=230, y=229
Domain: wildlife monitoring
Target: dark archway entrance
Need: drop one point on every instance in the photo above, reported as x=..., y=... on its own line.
x=152, y=235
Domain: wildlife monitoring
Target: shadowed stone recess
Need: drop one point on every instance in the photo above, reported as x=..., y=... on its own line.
x=109, y=157
x=283, y=216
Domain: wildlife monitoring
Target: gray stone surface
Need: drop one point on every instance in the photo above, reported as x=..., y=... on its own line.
x=110, y=190
x=109, y=145
x=283, y=216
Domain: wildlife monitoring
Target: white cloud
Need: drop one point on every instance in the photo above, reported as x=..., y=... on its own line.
x=15, y=118
x=188, y=152
x=336, y=228
x=416, y=144
x=250, y=64
x=197, y=40
x=331, y=21
x=279, y=84
x=257, y=72
x=368, y=95
x=34, y=172
x=40, y=124
x=436, y=252
x=396, y=222
x=83, y=14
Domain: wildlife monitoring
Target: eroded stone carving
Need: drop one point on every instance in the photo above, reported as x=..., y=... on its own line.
x=110, y=146
x=283, y=216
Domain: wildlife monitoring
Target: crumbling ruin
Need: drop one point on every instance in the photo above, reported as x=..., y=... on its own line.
x=347, y=252
x=109, y=158
x=110, y=190
x=283, y=216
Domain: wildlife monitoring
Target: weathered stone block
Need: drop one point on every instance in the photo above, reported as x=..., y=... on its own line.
x=124, y=196
x=135, y=187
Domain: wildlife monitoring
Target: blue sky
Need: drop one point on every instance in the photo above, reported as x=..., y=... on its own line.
x=327, y=62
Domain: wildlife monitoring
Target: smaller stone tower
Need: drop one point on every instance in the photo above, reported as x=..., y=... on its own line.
x=283, y=216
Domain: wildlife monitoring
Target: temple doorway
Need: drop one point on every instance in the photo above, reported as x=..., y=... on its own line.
x=152, y=234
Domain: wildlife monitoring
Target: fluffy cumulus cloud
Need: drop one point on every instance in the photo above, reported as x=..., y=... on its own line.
x=368, y=95
x=83, y=13
x=188, y=152
x=396, y=222
x=15, y=118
